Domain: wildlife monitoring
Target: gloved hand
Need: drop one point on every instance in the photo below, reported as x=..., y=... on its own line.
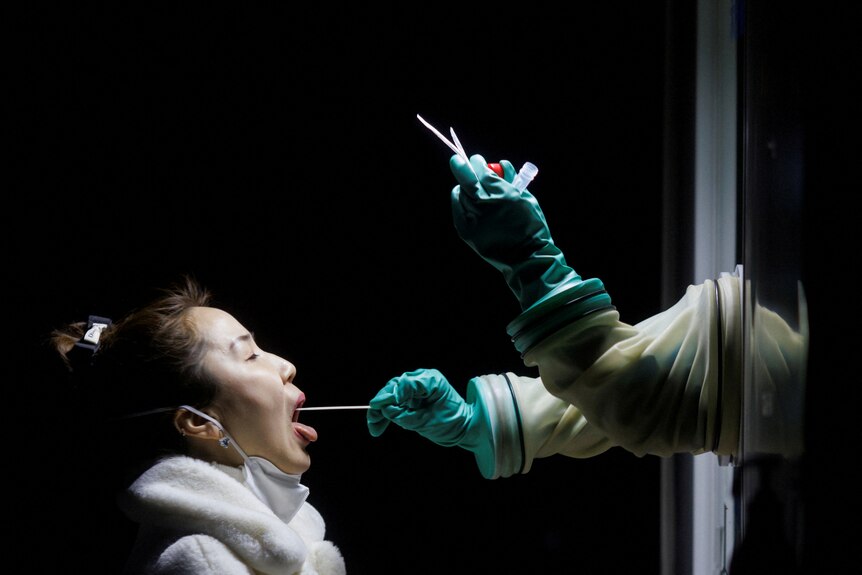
x=507, y=228
x=423, y=401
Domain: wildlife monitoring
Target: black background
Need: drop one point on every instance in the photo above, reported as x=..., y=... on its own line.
x=275, y=154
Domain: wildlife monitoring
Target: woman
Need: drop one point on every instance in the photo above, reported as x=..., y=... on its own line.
x=215, y=452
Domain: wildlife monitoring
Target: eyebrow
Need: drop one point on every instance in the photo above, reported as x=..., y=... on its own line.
x=247, y=337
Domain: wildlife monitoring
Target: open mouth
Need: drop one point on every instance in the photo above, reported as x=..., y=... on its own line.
x=304, y=432
x=299, y=403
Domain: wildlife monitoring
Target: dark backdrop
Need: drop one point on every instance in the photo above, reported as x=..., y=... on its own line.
x=275, y=154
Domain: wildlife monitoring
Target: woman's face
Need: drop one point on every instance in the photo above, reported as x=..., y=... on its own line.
x=256, y=402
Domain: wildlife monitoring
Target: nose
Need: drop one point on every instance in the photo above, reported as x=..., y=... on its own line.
x=287, y=370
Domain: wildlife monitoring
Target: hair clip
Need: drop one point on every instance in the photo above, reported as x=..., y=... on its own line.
x=95, y=326
x=81, y=355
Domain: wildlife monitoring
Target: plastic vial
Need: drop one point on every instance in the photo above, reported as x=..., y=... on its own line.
x=525, y=176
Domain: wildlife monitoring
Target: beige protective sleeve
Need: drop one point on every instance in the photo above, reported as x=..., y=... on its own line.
x=670, y=384
x=651, y=387
x=529, y=423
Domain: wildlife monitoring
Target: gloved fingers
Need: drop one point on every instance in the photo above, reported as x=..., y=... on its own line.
x=480, y=166
x=395, y=401
x=410, y=389
x=409, y=419
x=405, y=406
x=464, y=172
x=504, y=169
x=481, y=183
x=509, y=171
x=377, y=423
x=493, y=188
x=467, y=198
x=414, y=389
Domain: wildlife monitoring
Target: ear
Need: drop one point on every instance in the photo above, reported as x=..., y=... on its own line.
x=193, y=425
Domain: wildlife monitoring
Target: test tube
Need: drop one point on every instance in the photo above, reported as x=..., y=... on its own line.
x=525, y=175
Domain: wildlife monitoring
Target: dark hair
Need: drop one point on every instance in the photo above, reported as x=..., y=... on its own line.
x=147, y=361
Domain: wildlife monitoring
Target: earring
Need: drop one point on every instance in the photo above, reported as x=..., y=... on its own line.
x=224, y=442
x=183, y=432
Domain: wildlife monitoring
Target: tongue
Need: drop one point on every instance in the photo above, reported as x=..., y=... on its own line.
x=307, y=432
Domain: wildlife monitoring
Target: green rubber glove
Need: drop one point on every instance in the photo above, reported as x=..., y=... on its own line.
x=423, y=401
x=507, y=228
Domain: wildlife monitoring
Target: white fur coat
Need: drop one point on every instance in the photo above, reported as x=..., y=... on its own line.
x=198, y=517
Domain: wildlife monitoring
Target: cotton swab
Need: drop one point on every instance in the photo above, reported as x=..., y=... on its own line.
x=458, y=143
x=332, y=407
x=445, y=140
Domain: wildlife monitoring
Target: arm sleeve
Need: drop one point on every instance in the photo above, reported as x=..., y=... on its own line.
x=527, y=422
x=669, y=384
x=653, y=387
